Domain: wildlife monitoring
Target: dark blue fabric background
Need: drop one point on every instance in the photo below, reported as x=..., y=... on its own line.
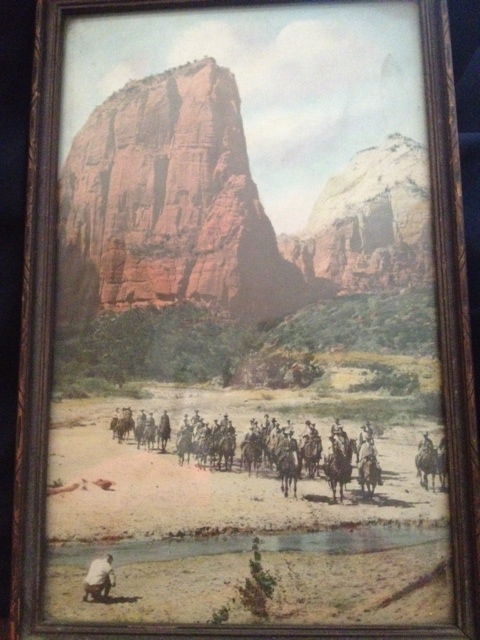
x=16, y=30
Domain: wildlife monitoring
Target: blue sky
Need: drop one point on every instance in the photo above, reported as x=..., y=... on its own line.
x=318, y=82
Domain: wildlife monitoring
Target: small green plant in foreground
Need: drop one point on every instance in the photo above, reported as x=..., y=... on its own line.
x=221, y=615
x=257, y=589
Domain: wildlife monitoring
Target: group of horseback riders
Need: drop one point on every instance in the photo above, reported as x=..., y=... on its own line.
x=216, y=442
x=266, y=441
x=276, y=445
x=146, y=431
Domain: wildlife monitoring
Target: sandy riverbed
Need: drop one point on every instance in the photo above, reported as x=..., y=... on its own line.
x=153, y=497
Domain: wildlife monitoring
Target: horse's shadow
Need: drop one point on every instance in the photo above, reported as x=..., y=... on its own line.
x=313, y=497
x=381, y=500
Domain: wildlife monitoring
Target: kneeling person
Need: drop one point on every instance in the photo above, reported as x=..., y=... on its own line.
x=99, y=579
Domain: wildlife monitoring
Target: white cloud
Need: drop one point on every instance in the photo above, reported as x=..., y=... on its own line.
x=309, y=77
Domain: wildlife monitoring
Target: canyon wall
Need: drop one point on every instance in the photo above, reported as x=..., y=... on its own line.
x=371, y=228
x=157, y=205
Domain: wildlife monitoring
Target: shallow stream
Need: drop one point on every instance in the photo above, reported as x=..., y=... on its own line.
x=334, y=541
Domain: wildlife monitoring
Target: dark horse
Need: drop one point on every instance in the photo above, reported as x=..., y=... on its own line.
x=251, y=456
x=426, y=462
x=370, y=476
x=442, y=463
x=226, y=450
x=311, y=454
x=338, y=470
x=289, y=469
x=163, y=435
x=121, y=427
x=139, y=432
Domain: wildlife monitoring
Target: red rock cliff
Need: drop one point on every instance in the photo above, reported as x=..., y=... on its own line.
x=157, y=205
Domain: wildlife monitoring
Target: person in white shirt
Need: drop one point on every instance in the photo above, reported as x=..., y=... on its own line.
x=99, y=579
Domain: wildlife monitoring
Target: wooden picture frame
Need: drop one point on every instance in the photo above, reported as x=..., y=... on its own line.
x=70, y=283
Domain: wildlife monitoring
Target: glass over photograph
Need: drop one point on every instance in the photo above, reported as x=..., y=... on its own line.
x=246, y=420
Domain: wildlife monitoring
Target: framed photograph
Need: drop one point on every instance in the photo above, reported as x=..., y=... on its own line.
x=246, y=401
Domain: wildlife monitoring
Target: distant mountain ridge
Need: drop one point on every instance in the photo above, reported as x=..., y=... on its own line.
x=370, y=229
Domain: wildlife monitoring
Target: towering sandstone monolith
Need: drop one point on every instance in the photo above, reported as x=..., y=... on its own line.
x=158, y=205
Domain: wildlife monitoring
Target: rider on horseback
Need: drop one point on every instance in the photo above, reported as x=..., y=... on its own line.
x=368, y=451
x=339, y=435
x=150, y=421
x=184, y=428
x=365, y=432
x=250, y=436
x=314, y=435
x=425, y=445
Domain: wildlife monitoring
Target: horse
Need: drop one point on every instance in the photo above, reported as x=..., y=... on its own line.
x=289, y=469
x=121, y=429
x=149, y=436
x=202, y=449
x=139, y=433
x=226, y=450
x=122, y=426
x=184, y=447
x=113, y=426
x=370, y=476
x=338, y=470
x=251, y=456
x=426, y=462
x=442, y=463
x=311, y=454
x=163, y=436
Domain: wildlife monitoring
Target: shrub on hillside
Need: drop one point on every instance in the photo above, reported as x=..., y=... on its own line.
x=388, y=379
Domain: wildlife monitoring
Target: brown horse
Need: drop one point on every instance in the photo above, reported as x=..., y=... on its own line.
x=113, y=426
x=338, y=470
x=122, y=428
x=370, y=476
x=184, y=447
